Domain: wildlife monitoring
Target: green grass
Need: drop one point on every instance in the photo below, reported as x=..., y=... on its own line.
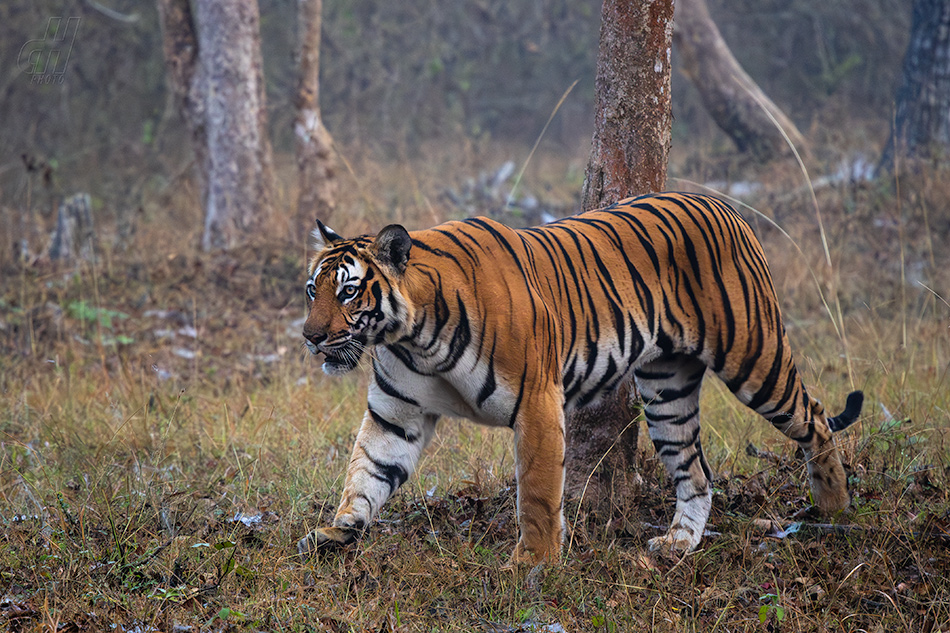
x=133, y=443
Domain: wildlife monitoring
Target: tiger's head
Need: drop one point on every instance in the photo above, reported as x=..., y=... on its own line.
x=353, y=294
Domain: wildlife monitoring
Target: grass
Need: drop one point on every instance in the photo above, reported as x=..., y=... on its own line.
x=165, y=439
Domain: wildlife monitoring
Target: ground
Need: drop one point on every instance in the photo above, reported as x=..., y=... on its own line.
x=165, y=439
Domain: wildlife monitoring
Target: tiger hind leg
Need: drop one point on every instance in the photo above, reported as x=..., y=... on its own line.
x=670, y=390
x=813, y=431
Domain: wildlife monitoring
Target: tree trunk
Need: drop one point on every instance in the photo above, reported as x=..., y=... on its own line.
x=316, y=165
x=180, y=46
x=921, y=126
x=628, y=156
x=732, y=98
x=215, y=73
x=240, y=175
x=633, y=116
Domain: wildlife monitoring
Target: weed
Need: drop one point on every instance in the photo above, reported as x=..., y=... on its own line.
x=152, y=491
x=771, y=607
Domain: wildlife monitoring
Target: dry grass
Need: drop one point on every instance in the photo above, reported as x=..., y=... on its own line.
x=164, y=440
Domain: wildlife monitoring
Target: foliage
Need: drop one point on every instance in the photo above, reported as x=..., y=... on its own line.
x=156, y=468
x=82, y=311
x=771, y=607
x=162, y=483
x=402, y=73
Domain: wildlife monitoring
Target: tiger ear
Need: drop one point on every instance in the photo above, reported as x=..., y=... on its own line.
x=323, y=236
x=392, y=246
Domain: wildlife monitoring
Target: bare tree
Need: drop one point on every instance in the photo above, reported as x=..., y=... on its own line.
x=180, y=46
x=240, y=175
x=216, y=74
x=921, y=126
x=628, y=157
x=316, y=165
x=732, y=98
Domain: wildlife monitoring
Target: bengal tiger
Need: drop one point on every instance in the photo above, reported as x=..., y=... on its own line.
x=514, y=328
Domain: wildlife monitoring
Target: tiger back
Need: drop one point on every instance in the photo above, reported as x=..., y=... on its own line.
x=515, y=327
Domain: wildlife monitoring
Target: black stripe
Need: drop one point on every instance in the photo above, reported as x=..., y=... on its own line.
x=368, y=501
x=395, y=429
x=570, y=389
x=694, y=495
x=450, y=233
x=670, y=418
x=406, y=358
x=661, y=446
x=461, y=337
x=644, y=374
x=435, y=251
x=392, y=474
x=389, y=389
x=488, y=387
x=702, y=460
x=495, y=233
x=765, y=392
x=791, y=381
x=517, y=407
x=607, y=377
x=688, y=462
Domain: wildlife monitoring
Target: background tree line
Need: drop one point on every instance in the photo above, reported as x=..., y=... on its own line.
x=396, y=74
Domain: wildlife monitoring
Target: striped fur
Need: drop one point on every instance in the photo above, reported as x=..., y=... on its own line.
x=514, y=327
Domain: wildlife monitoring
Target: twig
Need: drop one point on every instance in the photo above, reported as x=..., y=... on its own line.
x=112, y=13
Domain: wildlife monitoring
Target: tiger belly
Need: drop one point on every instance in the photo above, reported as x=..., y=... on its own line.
x=457, y=394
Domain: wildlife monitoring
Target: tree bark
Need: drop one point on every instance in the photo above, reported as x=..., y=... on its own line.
x=316, y=164
x=629, y=153
x=180, y=47
x=240, y=175
x=921, y=126
x=214, y=69
x=633, y=117
x=732, y=98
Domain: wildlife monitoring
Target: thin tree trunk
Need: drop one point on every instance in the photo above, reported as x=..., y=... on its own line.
x=732, y=98
x=628, y=157
x=921, y=126
x=180, y=46
x=240, y=175
x=316, y=164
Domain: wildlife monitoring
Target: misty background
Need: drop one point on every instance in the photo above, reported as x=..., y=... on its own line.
x=396, y=76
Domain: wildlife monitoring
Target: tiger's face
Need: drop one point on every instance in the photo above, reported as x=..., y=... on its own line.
x=353, y=294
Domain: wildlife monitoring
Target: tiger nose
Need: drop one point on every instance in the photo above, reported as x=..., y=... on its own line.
x=314, y=337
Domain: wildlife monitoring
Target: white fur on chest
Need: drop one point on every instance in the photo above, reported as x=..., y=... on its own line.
x=454, y=393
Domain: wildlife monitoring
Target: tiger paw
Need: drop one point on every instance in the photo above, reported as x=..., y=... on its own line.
x=830, y=501
x=674, y=543
x=327, y=538
x=522, y=556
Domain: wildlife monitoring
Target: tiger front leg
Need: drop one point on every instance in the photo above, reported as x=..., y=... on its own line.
x=539, y=470
x=384, y=456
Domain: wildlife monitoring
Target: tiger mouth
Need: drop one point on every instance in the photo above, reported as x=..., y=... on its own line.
x=343, y=359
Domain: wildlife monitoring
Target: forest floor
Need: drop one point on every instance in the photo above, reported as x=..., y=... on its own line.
x=165, y=439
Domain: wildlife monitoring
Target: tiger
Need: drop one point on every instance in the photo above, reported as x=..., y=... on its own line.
x=517, y=327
